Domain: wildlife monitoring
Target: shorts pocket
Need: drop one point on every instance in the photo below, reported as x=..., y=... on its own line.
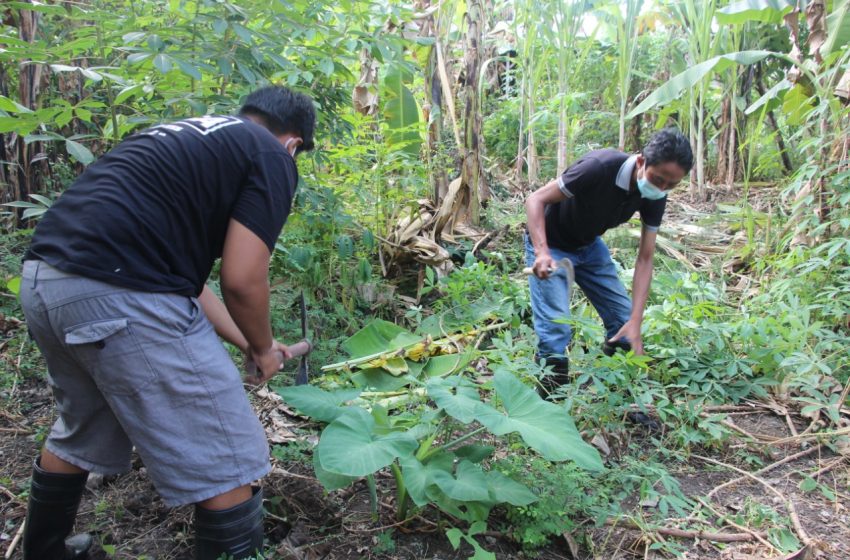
x=179, y=313
x=109, y=350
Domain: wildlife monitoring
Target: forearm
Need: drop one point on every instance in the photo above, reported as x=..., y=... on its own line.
x=248, y=307
x=640, y=287
x=535, y=209
x=221, y=320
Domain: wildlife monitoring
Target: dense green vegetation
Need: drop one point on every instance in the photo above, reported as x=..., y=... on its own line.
x=436, y=120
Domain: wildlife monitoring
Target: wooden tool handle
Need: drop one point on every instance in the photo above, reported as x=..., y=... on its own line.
x=300, y=348
x=528, y=271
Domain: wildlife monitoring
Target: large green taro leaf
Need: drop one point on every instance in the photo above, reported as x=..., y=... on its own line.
x=317, y=404
x=350, y=445
x=544, y=426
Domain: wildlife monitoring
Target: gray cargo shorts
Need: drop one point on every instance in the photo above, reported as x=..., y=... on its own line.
x=142, y=369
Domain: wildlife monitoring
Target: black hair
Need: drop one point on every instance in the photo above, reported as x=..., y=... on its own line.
x=669, y=145
x=283, y=111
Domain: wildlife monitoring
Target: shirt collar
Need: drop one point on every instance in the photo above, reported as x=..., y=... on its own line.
x=624, y=175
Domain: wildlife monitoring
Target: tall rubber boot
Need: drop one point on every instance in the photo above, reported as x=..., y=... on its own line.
x=560, y=375
x=54, y=499
x=230, y=533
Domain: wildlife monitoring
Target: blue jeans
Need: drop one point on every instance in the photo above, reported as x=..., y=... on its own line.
x=596, y=275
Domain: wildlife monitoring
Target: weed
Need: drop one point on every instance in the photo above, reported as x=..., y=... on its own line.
x=384, y=543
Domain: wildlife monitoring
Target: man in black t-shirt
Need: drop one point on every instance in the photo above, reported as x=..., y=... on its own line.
x=114, y=295
x=566, y=218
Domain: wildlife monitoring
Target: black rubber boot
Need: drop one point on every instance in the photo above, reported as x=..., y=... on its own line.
x=608, y=348
x=53, y=503
x=560, y=375
x=233, y=533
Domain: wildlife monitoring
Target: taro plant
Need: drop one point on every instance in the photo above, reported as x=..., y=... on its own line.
x=406, y=401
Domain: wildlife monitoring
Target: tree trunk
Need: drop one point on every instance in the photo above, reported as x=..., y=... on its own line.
x=434, y=109
x=5, y=155
x=30, y=178
x=471, y=173
x=723, y=138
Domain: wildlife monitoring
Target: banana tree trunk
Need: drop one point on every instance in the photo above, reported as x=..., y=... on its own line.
x=30, y=178
x=471, y=174
x=434, y=109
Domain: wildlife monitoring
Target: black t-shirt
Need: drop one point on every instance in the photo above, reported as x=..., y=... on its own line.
x=152, y=214
x=595, y=203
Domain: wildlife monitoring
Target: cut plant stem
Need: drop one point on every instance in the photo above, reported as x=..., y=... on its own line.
x=373, y=496
x=400, y=493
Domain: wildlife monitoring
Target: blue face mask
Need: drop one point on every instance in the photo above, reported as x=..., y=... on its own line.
x=649, y=191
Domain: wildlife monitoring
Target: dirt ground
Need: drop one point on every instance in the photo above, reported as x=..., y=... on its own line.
x=305, y=522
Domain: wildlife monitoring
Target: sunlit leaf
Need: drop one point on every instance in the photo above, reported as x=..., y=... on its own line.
x=14, y=285
x=674, y=87
x=768, y=11
x=10, y=106
x=838, y=27
x=377, y=337
x=771, y=97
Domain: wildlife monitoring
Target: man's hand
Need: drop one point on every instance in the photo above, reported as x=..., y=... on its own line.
x=262, y=366
x=543, y=265
x=631, y=333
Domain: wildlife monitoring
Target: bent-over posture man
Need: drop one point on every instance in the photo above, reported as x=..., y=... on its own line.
x=114, y=294
x=566, y=218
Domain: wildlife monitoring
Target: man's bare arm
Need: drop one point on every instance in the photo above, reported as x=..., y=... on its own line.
x=640, y=291
x=220, y=318
x=245, y=289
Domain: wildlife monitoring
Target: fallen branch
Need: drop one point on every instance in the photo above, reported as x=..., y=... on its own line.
x=685, y=534
x=828, y=468
x=9, y=493
x=15, y=431
x=283, y=472
x=763, y=470
x=805, y=436
x=15, y=540
x=758, y=536
x=761, y=438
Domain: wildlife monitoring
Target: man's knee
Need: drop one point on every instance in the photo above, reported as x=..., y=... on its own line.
x=228, y=499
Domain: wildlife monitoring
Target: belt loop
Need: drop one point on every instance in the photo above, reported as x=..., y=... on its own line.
x=35, y=273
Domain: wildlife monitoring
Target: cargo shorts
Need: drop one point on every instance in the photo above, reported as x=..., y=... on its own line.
x=131, y=368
